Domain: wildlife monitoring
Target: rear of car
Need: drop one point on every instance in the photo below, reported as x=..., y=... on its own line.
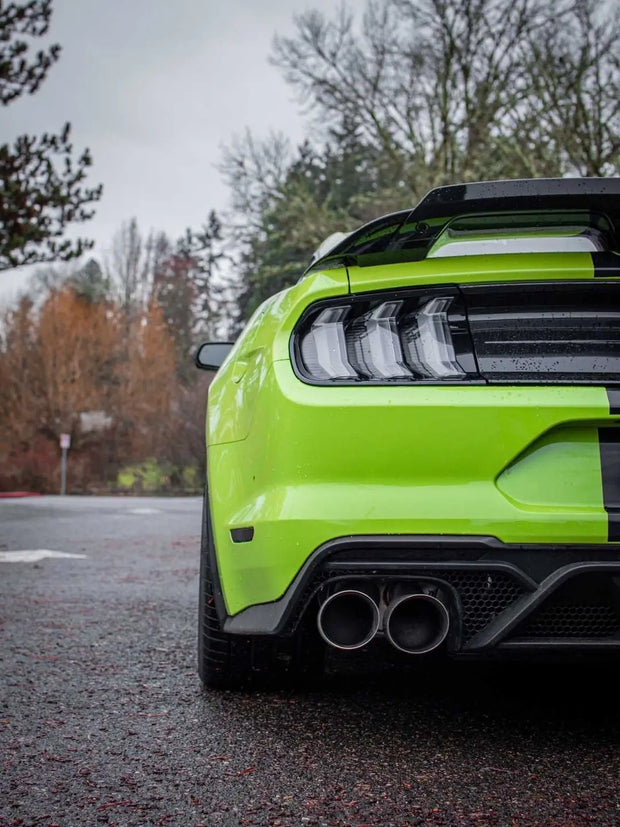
x=420, y=441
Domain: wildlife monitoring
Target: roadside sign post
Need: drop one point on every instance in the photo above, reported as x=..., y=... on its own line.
x=65, y=443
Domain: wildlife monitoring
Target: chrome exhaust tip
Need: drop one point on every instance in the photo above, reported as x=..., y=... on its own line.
x=349, y=619
x=416, y=623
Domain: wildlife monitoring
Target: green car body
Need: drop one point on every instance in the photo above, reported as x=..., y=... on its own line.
x=395, y=482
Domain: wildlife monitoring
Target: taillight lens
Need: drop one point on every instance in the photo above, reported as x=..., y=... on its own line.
x=410, y=337
x=324, y=349
x=373, y=343
x=428, y=343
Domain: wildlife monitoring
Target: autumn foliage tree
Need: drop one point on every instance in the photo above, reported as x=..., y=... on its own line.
x=54, y=365
x=68, y=368
x=77, y=358
x=150, y=390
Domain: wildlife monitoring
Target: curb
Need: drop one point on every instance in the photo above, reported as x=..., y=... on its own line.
x=15, y=494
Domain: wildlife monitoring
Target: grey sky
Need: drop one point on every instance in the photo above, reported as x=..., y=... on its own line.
x=156, y=88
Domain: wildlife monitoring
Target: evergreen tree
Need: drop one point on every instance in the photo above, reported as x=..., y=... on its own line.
x=202, y=251
x=90, y=283
x=41, y=181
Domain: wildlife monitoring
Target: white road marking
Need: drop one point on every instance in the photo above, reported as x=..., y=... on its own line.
x=143, y=511
x=34, y=555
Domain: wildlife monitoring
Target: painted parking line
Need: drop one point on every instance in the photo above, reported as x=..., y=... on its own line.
x=143, y=511
x=34, y=555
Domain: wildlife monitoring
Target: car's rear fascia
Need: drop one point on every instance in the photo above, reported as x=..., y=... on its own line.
x=304, y=466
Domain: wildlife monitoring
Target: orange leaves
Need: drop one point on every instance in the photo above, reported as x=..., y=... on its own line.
x=84, y=368
x=78, y=350
x=151, y=389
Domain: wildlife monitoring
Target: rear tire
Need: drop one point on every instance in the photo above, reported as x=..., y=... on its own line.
x=228, y=661
x=223, y=659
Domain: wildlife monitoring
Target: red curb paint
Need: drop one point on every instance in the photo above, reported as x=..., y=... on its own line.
x=15, y=494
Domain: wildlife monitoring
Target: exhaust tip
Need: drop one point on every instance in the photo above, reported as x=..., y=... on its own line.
x=349, y=619
x=417, y=623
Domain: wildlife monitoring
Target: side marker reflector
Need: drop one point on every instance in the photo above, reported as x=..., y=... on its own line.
x=242, y=535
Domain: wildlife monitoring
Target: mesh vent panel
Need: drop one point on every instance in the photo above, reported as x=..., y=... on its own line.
x=566, y=621
x=483, y=596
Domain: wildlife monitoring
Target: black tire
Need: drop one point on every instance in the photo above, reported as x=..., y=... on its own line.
x=222, y=658
x=228, y=661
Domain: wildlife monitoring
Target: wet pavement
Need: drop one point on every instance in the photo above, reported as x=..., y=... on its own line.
x=103, y=719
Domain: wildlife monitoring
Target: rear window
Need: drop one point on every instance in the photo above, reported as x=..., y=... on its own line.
x=456, y=242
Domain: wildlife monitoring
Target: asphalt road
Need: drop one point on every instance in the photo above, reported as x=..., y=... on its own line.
x=103, y=719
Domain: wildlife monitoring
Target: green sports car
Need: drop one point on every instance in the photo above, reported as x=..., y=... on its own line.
x=416, y=448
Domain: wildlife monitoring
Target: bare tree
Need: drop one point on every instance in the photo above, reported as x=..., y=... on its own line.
x=125, y=263
x=256, y=171
x=463, y=89
x=575, y=77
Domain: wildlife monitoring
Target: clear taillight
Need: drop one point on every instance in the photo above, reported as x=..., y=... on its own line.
x=324, y=349
x=407, y=338
x=428, y=344
x=373, y=344
x=537, y=333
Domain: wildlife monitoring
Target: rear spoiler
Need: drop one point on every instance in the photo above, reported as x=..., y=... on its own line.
x=415, y=230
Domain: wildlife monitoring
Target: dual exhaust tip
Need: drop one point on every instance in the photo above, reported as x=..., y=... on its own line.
x=414, y=623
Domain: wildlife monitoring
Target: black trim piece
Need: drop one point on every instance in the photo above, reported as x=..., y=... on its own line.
x=606, y=265
x=523, y=194
x=614, y=526
x=546, y=332
x=242, y=535
x=529, y=565
x=208, y=548
x=613, y=395
x=609, y=446
x=422, y=566
x=554, y=643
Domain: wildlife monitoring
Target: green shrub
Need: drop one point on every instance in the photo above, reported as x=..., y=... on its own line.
x=153, y=477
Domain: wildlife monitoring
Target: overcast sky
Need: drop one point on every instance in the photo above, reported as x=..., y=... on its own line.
x=155, y=89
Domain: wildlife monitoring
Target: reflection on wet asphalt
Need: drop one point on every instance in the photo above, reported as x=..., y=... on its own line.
x=103, y=720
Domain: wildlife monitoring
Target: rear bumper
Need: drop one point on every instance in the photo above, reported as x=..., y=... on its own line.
x=522, y=464
x=503, y=597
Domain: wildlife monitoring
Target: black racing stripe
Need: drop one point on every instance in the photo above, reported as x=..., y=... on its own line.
x=613, y=395
x=613, y=531
x=606, y=265
x=609, y=444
